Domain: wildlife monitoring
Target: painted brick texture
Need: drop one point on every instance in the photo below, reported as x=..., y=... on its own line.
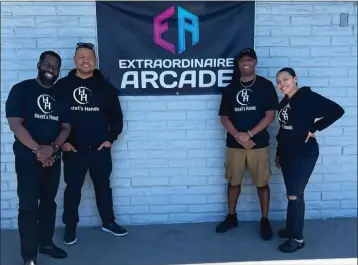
x=168, y=164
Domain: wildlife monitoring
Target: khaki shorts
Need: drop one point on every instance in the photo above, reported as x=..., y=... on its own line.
x=257, y=161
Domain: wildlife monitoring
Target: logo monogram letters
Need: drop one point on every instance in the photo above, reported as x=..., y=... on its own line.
x=243, y=98
x=82, y=96
x=46, y=103
x=283, y=117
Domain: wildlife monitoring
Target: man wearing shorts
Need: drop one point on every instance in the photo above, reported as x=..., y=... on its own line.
x=247, y=108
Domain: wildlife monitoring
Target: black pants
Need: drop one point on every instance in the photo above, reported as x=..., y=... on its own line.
x=37, y=189
x=296, y=174
x=76, y=165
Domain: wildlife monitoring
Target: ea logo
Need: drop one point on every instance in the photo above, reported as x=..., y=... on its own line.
x=80, y=95
x=45, y=103
x=283, y=114
x=243, y=97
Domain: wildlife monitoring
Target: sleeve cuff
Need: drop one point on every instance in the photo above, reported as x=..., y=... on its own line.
x=313, y=130
x=111, y=139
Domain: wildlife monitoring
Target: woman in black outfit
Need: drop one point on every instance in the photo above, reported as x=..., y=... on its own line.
x=301, y=113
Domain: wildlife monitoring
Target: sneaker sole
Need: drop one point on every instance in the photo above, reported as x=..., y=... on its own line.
x=292, y=251
x=224, y=231
x=267, y=238
x=109, y=231
x=70, y=243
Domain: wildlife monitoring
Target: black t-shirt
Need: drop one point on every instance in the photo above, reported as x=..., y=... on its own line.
x=246, y=105
x=41, y=110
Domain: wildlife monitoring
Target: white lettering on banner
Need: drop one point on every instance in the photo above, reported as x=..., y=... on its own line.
x=195, y=77
x=176, y=63
x=45, y=103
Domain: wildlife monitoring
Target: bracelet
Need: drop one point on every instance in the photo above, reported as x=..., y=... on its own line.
x=55, y=147
x=236, y=135
x=250, y=134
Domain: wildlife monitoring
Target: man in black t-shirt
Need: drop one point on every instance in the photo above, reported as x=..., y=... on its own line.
x=247, y=108
x=40, y=126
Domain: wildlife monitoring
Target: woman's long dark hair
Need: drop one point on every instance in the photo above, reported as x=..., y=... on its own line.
x=289, y=70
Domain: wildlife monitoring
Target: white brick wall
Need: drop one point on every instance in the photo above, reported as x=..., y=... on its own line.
x=168, y=164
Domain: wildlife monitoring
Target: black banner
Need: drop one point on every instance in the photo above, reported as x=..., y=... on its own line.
x=172, y=48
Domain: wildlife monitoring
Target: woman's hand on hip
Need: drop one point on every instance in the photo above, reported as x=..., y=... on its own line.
x=310, y=135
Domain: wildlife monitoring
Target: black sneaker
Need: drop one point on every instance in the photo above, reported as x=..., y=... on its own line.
x=266, y=230
x=291, y=245
x=53, y=251
x=283, y=233
x=70, y=236
x=114, y=229
x=229, y=223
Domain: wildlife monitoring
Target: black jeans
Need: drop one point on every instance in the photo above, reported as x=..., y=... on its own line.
x=296, y=172
x=76, y=165
x=37, y=188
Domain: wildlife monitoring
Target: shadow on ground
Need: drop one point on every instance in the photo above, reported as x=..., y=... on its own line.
x=192, y=244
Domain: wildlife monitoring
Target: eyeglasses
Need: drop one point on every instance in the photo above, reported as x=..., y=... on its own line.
x=85, y=45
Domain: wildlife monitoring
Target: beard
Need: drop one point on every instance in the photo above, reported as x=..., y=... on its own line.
x=45, y=79
x=247, y=72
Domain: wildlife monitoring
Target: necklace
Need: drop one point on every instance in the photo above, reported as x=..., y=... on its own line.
x=253, y=82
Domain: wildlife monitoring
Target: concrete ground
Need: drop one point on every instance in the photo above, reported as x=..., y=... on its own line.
x=327, y=242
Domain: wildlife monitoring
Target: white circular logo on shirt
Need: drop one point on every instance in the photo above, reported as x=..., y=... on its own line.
x=243, y=97
x=283, y=114
x=45, y=103
x=80, y=95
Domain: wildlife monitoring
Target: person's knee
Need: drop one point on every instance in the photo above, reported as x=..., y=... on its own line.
x=74, y=187
x=103, y=183
x=264, y=186
x=28, y=204
x=27, y=211
x=292, y=197
x=48, y=205
x=234, y=185
x=260, y=177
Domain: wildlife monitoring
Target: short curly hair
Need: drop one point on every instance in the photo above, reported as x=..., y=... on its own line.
x=52, y=53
